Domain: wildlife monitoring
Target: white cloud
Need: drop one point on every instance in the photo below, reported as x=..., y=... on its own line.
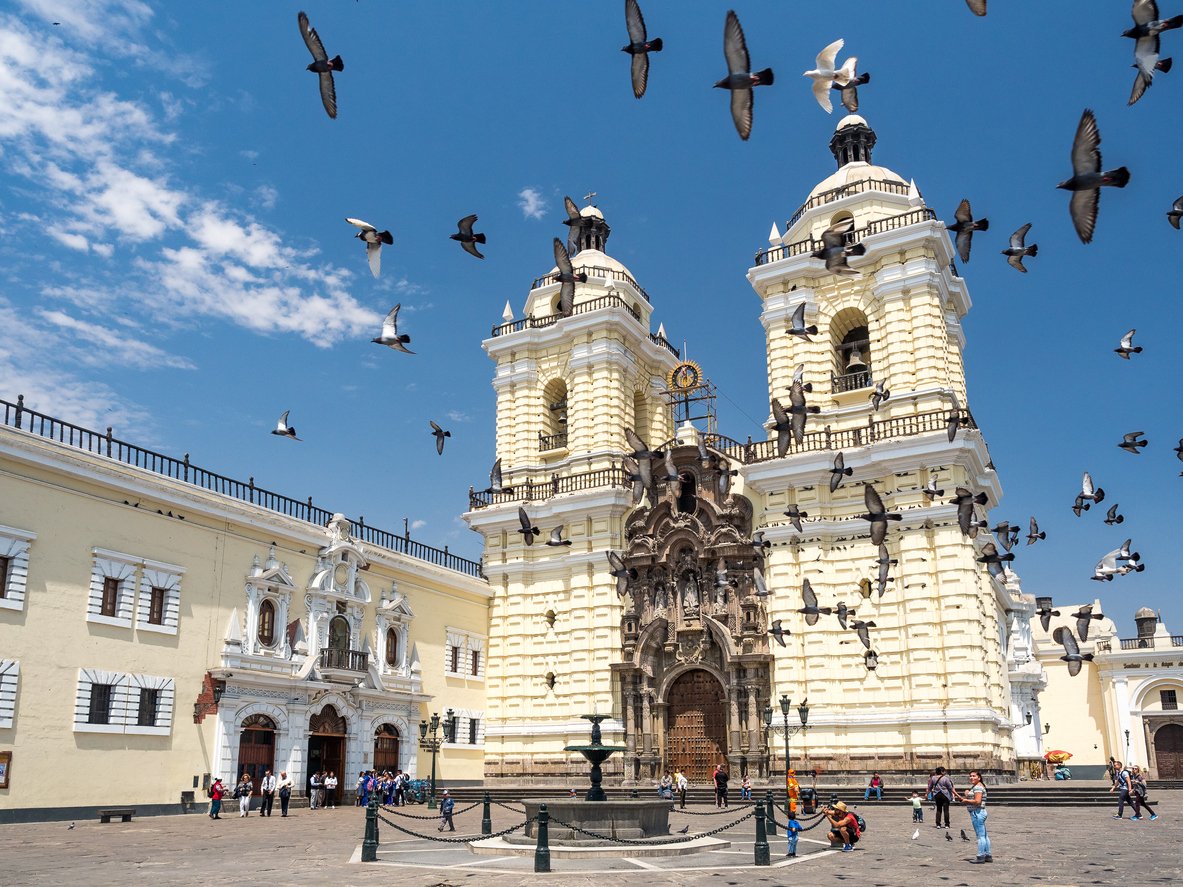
x=418, y=524
x=531, y=203
x=100, y=346
x=458, y=416
x=267, y=196
x=73, y=241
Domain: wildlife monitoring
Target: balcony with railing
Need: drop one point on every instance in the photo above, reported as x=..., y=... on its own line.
x=533, y=323
x=17, y=415
x=1152, y=643
x=556, y=441
x=336, y=659
x=850, y=381
x=539, y=487
x=890, y=223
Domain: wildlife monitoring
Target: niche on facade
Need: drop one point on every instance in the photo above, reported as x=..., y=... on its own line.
x=850, y=337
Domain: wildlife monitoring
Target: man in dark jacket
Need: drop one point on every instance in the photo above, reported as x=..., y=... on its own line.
x=447, y=805
x=720, y=779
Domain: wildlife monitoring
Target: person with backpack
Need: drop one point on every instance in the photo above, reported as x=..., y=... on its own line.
x=285, y=791
x=975, y=803
x=1138, y=793
x=940, y=792
x=216, y=791
x=845, y=826
x=1121, y=785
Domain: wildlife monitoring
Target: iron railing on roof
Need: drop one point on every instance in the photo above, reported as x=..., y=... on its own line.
x=594, y=271
x=890, y=223
x=845, y=191
x=1151, y=643
x=659, y=339
x=17, y=415
x=514, y=326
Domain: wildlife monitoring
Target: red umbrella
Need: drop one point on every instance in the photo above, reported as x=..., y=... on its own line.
x=1057, y=756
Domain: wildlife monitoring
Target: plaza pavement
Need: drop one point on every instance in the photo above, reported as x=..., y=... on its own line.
x=1052, y=847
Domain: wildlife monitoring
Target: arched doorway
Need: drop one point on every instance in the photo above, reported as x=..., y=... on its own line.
x=696, y=738
x=1168, y=752
x=326, y=744
x=256, y=749
x=386, y=748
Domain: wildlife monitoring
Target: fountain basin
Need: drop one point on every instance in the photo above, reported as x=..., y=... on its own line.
x=630, y=818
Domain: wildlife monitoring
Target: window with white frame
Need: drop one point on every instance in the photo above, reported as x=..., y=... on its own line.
x=114, y=702
x=468, y=728
x=464, y=654
x=14, y=566
x=112, y=588
x=10, y=672
x=159, y=605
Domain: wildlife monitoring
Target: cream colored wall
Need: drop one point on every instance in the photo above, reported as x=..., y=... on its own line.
x=52, y=764
x=1076, y=710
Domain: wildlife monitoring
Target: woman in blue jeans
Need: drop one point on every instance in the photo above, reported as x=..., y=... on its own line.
x=975, y=802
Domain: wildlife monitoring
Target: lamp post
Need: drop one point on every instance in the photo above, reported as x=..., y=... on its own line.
x=1127, y=746
x=786, y=730
x=433, y=745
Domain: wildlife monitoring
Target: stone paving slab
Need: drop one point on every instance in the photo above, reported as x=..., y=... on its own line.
x=1055, y=847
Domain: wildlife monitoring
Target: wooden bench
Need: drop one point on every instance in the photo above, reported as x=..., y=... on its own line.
x=124, y=813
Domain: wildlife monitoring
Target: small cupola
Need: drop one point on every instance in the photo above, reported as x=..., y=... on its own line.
x=852, y=141
x=593, y=230
x=1146, y=620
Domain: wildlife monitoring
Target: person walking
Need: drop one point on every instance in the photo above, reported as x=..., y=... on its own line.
x=1138, y=793
x=720, y=779
x=682, y=784
x=917, y=808
x=216, y=791
x=447, y=805
x=285, y=792
x=1121, y=785
x=267, y=794
x=243, y=792
x=330, y=784
x=975, y=803
x=876, y=786
x=940, y=792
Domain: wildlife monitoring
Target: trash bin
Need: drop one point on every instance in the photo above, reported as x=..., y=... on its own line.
x=808, y=801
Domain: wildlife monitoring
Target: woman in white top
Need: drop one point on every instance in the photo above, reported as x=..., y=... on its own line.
x=243, y=790
x=331, y=789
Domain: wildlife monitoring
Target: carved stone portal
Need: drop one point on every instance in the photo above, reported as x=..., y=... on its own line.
x=695, y=666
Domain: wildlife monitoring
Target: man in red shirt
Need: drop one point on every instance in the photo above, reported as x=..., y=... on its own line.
x=845, y=826
x=215, y=792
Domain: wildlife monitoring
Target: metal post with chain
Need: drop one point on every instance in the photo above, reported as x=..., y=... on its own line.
x=761, y=848
x=542, y=850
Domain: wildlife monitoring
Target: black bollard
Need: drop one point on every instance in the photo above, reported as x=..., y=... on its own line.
x=369, y=846
x=487, y=818
x=761, y=838
x=542, y=851
x=769, y=813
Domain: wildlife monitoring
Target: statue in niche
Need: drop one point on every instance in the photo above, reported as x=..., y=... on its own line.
x=688, y=590
x=660, y=600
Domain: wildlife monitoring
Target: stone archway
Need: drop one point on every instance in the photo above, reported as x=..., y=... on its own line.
x=1168, y=751
x=696, y=731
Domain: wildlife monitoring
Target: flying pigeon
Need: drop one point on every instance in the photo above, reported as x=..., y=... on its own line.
x=977, y=7
x=390, y=336
x=1176, y=212
x=849, y=91
x=440, y=434
x=777, y=632
x=835, y=250
x=740, y=80
x=670, y=476
x=1045, y=616
x=871, y=660
x=1112, y=518
x=567, y=279
x=1087, y=494
x=843, y=612
x=964, y=227
x=283, y=429
x=791, y=422
x=705, y=457
x=794, y=514
x=643, y=455
x=758, y=581
x=1087, y=176
x=527, y=529
x=1016, y=251
x=495, y=484
x=632, y=471
x=877, y=514
x=556, y=539
x=321, y=64
x=993, y=560
x=838, y=472
x=1130, y=442
x=1083, y=616
x=966, y=515
x=886, y=562
x=1108, y=567
x=575, y=223
x=759, y=543
x=1072, y=654
x=1127, y=346
x=797, y=327
x=931, y=492
x=879, y=395
x=1178, y=453
x=373, y=239
x=1035, y=534
x=811, y=609
x=799, y=373
x=1006, y=534
x=1146, y=30
x=639, y=46
x=621, y=573
x=725, y=476
x=467, y=239
x=722, y=580
x=954, y=420
x=863, y=631
x=826, y=75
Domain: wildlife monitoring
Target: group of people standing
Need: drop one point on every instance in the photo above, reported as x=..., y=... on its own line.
x=269, y=786
x=943, y=795
x=322, y=790
x=392, y=789
x=1130, y=785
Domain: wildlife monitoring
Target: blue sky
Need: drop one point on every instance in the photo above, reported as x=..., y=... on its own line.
x=175, y=261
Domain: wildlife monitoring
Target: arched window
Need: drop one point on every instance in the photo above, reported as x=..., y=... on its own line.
x=266, y=632
x=851, y=339
x=688, y=497
x=339, y=633
x=392, y=647
x=553, y=435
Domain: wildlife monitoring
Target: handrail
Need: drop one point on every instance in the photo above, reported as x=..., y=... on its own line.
x=17, y=415
x=595, y=304
x=555, y=441
x=532, y=489
x=659, y=339
x=845, y=191
x=346, y=660
x=594, y=271
x=1175, y=640
x=890, y=223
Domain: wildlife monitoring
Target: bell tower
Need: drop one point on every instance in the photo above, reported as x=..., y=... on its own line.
x=567, y=387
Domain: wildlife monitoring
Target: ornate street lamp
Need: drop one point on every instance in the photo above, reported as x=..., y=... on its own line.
x=433, y=745
x=786, y=730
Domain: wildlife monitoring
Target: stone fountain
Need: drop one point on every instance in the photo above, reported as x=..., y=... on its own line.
x=596, y=753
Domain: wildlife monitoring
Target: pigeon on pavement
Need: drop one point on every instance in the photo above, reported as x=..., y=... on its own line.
x=740, y=79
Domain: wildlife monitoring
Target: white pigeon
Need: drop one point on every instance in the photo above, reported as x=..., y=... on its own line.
x=390, y=336
x=826, y=75
x=373, y=239
x=915, y=834
x=283, y=429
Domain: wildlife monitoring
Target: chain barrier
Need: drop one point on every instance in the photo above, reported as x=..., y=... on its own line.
x=395, y=825
x=713, y=812
x=821, y=817
x=507, y=807
x=680, y=839
x=436, y=816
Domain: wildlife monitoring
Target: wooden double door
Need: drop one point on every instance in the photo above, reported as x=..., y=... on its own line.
x=1168, y=752
x=696, y=731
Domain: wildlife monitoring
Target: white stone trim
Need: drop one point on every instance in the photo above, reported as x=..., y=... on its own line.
x=464, y=718
x=10, y=672
x=125, y=702
x=112, y=565
x=164, y=707
x=170, y=582
x=469, y=643
x=14, y=545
